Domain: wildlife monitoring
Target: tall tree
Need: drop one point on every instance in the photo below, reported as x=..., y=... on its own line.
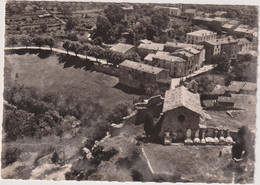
x=25, y=40
x=76, y=47
x=67, y=45
x=103, y=25
x=39, y=41
x=151, y=31
x=114, y=13
x=49, y=41
x=11, y=41
x=71, y=23
x=43, y=27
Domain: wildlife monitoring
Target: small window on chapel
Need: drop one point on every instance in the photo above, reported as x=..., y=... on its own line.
x=181, y=118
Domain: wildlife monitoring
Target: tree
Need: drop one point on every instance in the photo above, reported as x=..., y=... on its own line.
x=116, y=57
x=67, y=45
x=49, y=41
x=98, y=41
x=151, y=31
x=43, y=27
x=71, y=23
x=160, y=19
x=103, y=25
x=39, y=41
x=25, y=40
x=133, y=56
x=114, y=13
x=76, y=47
x=11, y=41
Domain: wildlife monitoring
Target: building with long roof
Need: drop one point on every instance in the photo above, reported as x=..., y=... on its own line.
x=200, y=36
x=139, y=75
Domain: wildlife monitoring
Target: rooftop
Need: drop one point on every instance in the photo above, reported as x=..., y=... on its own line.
x=152, y=46
x=141, y=67
x=123, y=48
x=183, y=45
x=202, y=33
x=220, y=41
x=190, y=11
x=161, y=55
x=203, y=18
x=183, y=53
x=243, y=41
x=181, y=97
x=149, y=57
x=228, y=26
x=251, y=52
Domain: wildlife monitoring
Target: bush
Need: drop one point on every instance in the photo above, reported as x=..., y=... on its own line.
x=120, y=111
x=10, y=156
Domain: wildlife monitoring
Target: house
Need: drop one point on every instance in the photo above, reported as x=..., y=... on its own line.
x=230, y=26
x=145, y=48
x=173, y=46
x=123, y=48
x=244, y=44
x=227, y=46
x=174, y=11
x=181, y=111
x=220, y=13
x=190, y=13
x=253, y=53
x=246, y=31
x=200, y=36
x=139, y=76
x=202, y=20
x=237, y=87
x=177, y=66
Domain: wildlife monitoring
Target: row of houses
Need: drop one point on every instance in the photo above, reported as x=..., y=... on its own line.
x=179, y=59
x=227, y=46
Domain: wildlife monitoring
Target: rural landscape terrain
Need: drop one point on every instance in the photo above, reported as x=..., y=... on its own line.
x=129, y=92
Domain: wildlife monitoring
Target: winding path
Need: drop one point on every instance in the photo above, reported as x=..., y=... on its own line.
x=93, y=59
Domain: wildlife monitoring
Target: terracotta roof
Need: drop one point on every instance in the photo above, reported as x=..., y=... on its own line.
x=181, y=97
x=123, y=48
x=141, y=67
x=202, y=33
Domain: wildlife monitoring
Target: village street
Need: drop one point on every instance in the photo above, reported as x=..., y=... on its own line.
x=176, y=81
x=93, y=59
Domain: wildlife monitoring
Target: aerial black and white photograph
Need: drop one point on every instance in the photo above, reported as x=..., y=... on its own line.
x=129, y=91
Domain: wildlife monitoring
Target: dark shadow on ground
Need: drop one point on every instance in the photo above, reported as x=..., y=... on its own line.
x=73, y=61
x=42, y=54
x=129, y=90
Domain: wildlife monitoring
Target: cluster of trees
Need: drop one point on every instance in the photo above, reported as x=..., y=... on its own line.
x=244, y=69
x=145, y=22
x=99, y=52
x=35, y=114
x=26, y=41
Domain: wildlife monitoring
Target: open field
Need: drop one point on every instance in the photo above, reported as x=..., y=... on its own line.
x=192, y=163
x=48, y=75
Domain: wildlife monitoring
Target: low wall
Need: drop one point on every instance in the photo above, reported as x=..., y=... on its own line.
x=111, y=70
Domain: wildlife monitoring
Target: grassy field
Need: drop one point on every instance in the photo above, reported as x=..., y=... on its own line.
x=192, y=163
x=48, y=75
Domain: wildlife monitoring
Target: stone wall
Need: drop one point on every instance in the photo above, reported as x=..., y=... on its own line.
x=111, y=70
